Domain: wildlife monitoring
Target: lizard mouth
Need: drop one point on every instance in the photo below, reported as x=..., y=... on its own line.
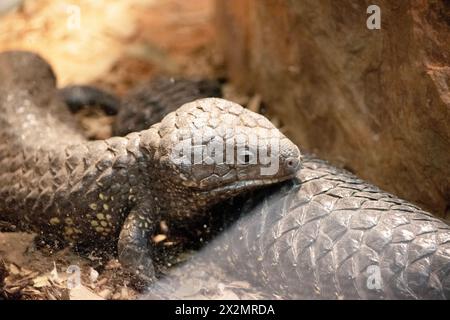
x=239, y=186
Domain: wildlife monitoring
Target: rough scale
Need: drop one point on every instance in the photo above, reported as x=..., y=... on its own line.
x=91, y=193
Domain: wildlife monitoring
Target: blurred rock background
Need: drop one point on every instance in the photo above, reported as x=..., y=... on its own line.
x=376, y=102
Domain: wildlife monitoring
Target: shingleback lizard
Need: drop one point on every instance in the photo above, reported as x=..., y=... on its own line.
x=94, y=193
x=324, y=235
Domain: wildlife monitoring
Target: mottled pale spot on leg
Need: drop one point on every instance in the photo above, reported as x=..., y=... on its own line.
x=55, y=221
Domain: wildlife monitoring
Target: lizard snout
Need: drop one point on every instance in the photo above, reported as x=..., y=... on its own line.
x=293, y=164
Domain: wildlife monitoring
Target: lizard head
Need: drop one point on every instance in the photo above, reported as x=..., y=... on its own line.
x=216, y=149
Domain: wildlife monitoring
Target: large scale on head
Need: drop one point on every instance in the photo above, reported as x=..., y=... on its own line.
x=217, y=146
x=173, y=170
x=206, y=151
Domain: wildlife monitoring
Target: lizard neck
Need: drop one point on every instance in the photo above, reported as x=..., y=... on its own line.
x=162, y=183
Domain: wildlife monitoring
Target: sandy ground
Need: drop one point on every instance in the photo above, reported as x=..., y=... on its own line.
x=114, y=45
x=117, y=43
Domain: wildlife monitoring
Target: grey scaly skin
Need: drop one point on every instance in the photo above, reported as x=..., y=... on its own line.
x=325, y=235
x=152, y=100
x=91, y=193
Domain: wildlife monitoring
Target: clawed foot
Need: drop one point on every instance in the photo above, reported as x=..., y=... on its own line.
x=134, y=248
x=139, y=265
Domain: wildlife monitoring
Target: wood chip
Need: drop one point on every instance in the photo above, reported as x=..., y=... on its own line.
x=163, y=226
x=116, y=296
x=113, y=264
x=159, y=237
x=102, y=282
x=93, y=275
x=105, y=294
x=83, y=293
x=13, y=269
x=124, y=294
x=41, y=281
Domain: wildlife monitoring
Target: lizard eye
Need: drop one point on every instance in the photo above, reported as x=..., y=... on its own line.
x=246, y=157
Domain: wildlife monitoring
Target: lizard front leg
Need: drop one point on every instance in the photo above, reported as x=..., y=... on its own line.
x=134, y=249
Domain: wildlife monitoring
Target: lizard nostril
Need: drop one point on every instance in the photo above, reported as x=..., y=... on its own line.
x=292, y=163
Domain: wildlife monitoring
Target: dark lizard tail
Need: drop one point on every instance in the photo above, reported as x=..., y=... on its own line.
x=77, y=97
